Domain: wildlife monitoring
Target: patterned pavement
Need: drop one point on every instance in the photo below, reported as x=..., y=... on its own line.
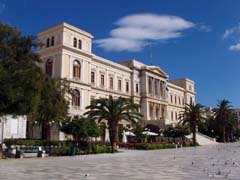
x=198, y=163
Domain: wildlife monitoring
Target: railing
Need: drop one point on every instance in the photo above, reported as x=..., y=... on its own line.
x=161, y=97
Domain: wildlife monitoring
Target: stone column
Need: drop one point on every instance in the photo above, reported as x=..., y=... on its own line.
x=152, y=79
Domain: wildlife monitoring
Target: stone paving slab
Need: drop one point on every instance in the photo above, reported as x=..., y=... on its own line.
x=196, y=163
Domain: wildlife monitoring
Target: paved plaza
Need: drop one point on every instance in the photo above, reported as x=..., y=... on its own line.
x=208, y=162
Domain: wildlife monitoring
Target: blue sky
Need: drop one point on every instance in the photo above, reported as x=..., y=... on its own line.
x=197, y=39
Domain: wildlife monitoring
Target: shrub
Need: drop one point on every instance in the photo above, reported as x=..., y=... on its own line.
x=37, y=142
x=64, y=151
x=188, y=144
x=102, y=149
x=62, y=148
x=146, y=146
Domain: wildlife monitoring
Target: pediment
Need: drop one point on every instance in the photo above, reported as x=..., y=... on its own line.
x=158, y=71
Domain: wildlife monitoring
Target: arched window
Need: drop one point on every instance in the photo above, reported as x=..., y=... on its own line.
x=48, y=42
x=74, y=42
x=76, y=98
x=52, y=41
x=79, y=44
x=76, y=69
x=49, y=67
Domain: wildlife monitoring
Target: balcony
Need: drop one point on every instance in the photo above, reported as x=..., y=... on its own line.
x=160, y=97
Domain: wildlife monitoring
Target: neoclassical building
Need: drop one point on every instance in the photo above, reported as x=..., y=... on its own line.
x=67, y=53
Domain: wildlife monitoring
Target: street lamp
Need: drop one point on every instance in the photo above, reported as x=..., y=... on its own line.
x=161, y=132
x=147, y=133
x=212, y=132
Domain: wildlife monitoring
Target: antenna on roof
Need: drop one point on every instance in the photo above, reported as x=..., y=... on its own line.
x=151, y=54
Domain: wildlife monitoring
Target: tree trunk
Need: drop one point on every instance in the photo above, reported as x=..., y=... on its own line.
x=1, y=151
x=224, y=135
x=194, y=138
x=113, y=137
x=227, y=134
x=45, y=130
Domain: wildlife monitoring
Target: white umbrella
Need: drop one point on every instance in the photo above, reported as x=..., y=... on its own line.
x=128, y=133
x=107, y=138
x=124, y=138
x=149, y=133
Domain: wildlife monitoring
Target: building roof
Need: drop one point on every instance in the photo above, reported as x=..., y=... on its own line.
x=65, y=25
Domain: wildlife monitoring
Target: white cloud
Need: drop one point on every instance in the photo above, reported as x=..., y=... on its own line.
x=234, y=35
x=235, y=47
x=136, y=31
x=232, y=32
x=120, y=44
x=205, y=28
x=161, y=22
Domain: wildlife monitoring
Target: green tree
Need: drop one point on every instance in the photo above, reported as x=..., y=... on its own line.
x=192, y=116
x=20, y=77
x=53, y=107
x=222, y=114
x=137, y=130
x=112, y=111
x=81, y=128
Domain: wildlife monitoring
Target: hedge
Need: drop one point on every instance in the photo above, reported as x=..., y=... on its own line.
x=151, y=146
x=61, y=148
x=146, y=146
x=34, y=142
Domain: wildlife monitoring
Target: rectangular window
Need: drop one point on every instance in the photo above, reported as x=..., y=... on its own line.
x=190, y=88
x=93, y=77
x=150, y=85
x=127, y=87
x=191, y=100
x=151, y=112
x=162, y=113
x=119, y=85
x=91, y=99
x=175, y=99
x=14, y=126
x=156, y=86
x=179, y=100
x=171, y=98
x=102, y=80
x=137, y=88
x=176, y=116
x=171, y=115
x=111, y=83
x=183, y=101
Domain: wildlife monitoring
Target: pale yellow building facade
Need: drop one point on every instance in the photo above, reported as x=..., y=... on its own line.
x=66, y=52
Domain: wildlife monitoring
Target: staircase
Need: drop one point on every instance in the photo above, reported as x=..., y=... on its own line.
x=203, y=139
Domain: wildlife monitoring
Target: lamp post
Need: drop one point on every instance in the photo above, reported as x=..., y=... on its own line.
x=147, y=133
x=212, y=132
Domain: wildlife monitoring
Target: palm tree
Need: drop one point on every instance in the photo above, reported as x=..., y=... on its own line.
x=192, y=116
x=232, y=126
x=112, y=111
x=222, y=114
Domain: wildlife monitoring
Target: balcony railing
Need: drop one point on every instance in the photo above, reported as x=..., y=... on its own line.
x=164, y=98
